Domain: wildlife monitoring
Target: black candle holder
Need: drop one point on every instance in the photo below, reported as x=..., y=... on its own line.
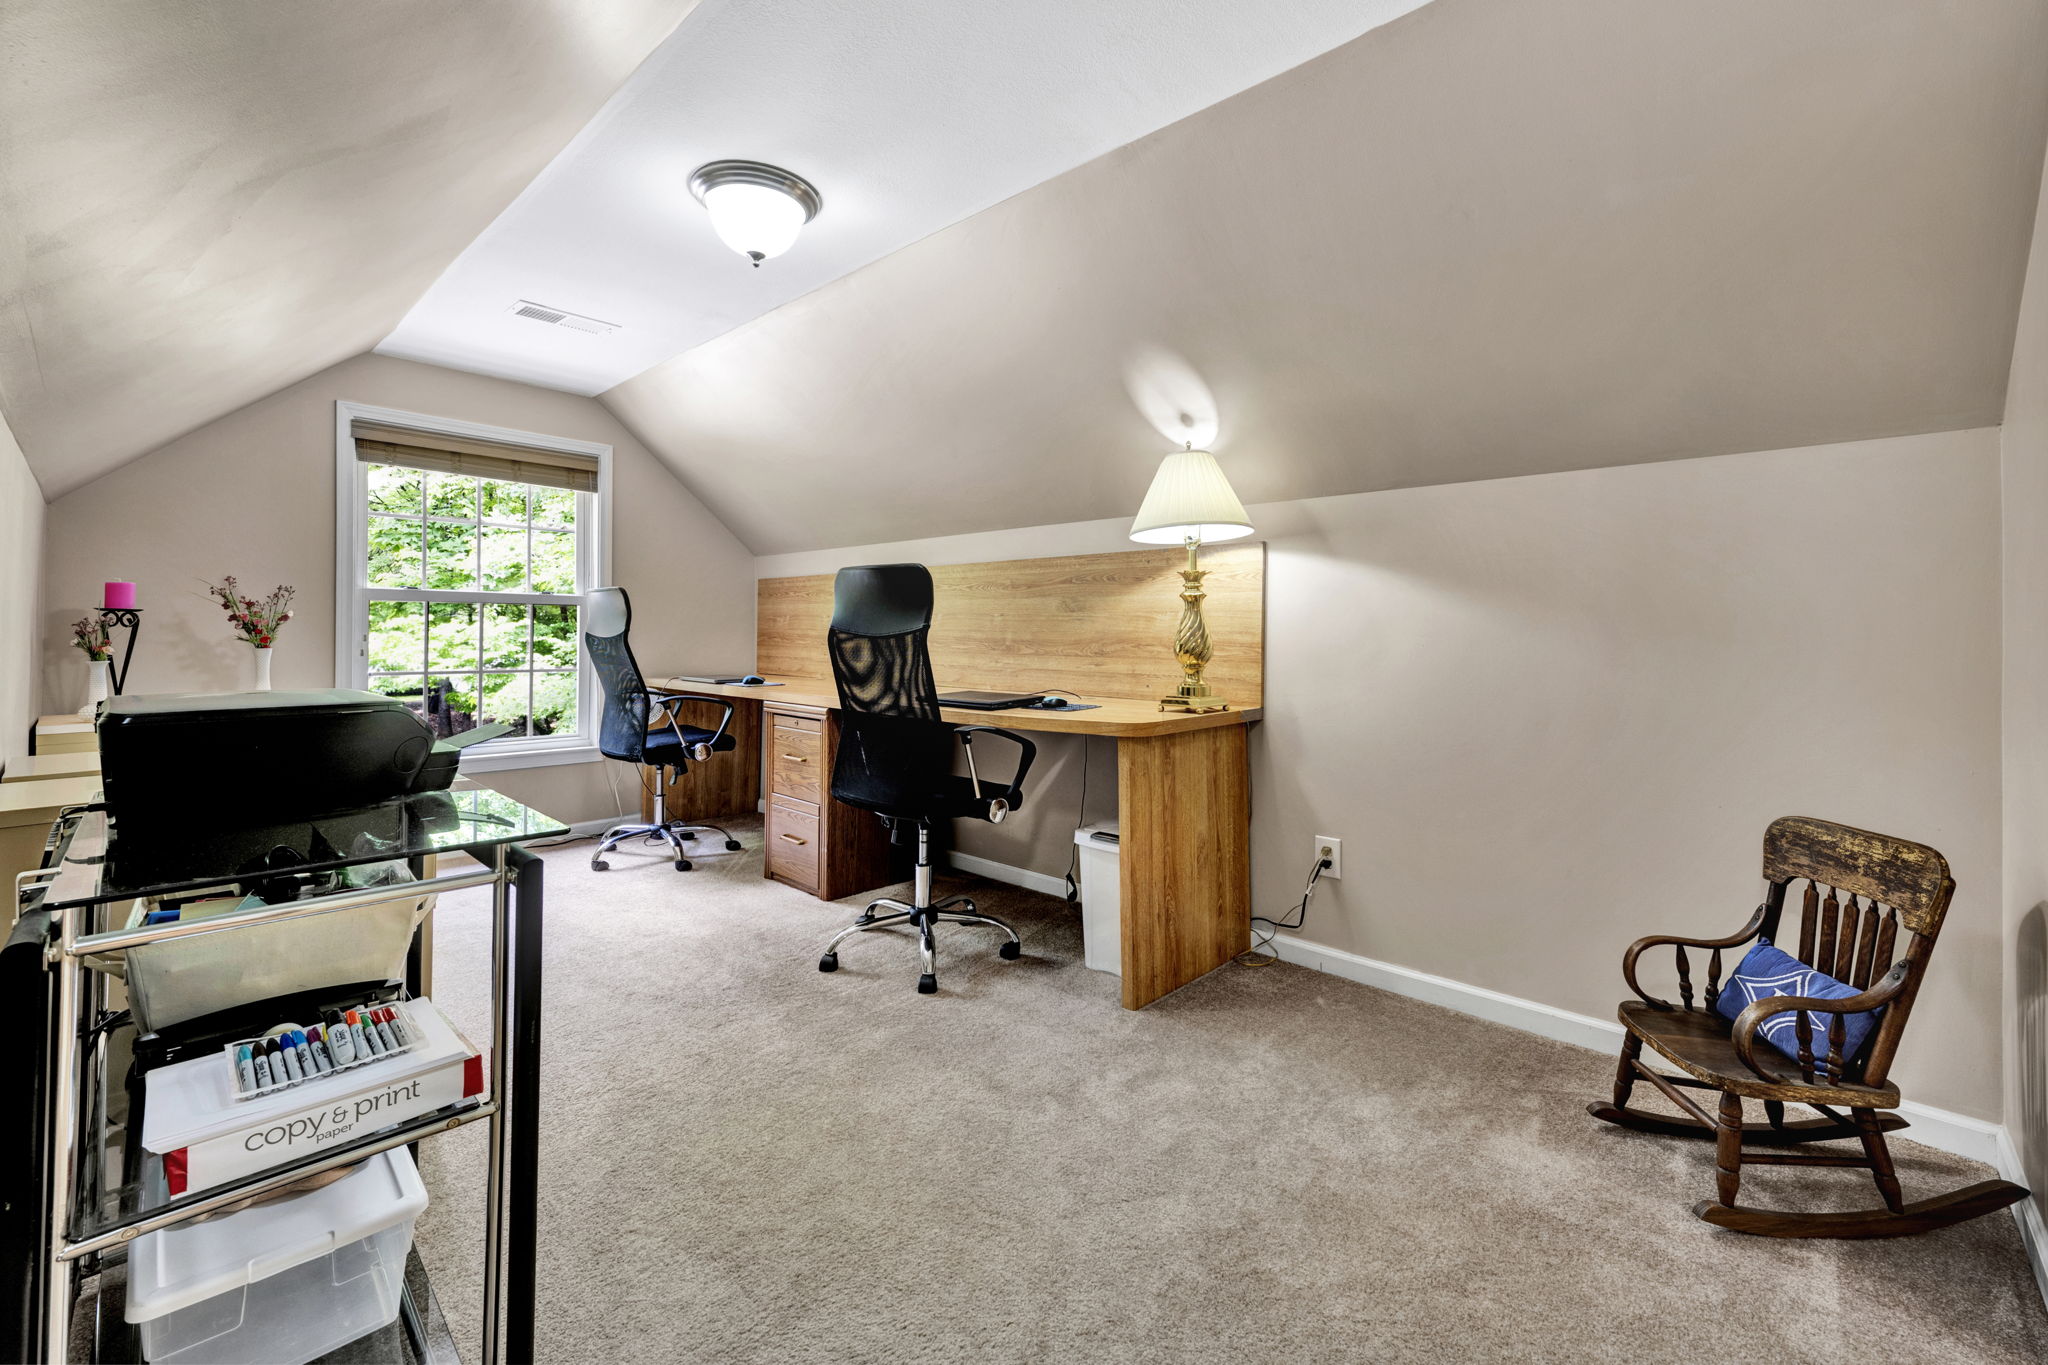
x=129, y=618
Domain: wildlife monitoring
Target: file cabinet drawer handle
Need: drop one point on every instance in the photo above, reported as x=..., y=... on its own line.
x=792, y=838
x=796, y=758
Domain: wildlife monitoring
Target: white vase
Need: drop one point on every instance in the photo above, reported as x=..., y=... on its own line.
x=262, y=668
x=96, y=688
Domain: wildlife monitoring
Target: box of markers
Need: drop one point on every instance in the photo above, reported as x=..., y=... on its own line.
x=343, y=1041
x=208, y=1132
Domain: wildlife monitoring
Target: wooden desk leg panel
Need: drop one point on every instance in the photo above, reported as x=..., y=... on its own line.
x=722, y=786
x=1185, y=817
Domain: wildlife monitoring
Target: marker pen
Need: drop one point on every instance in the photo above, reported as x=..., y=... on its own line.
x=381, y=1019
x=290, y=1056
x=245, y=1067
x=399, y=1029
x=365, y=1041
x=317, y=1045
x=339, y=1042
x=275, y=1052
x=296, y=1041
x=260, y=1064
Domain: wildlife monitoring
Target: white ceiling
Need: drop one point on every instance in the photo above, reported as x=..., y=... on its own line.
x=908, y=117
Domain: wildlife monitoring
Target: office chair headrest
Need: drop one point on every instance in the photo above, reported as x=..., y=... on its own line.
x=882, y=599
x=606, y=612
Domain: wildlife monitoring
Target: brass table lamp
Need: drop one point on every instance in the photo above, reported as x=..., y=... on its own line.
x=1189, y=502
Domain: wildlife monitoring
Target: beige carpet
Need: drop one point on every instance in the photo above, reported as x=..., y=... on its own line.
x=746, y=1160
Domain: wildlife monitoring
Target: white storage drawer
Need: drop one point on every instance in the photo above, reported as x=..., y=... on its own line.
x=281, y=1283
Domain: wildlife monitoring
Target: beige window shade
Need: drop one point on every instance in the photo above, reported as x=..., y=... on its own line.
x=464, y=455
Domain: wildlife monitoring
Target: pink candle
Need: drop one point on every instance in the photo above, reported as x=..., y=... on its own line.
x=120, y=596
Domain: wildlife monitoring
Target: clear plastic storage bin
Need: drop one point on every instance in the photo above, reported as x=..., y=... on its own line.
x=280, y=1283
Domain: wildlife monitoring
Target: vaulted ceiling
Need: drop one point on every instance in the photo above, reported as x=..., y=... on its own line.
x=203, y=203
x=1485, y=238
x=1494, y=237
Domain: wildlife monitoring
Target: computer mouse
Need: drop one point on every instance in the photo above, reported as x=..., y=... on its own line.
x=752, y=680
x=1053, y=703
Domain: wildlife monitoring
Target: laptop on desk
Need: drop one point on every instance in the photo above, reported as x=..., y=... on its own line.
x=989, y=701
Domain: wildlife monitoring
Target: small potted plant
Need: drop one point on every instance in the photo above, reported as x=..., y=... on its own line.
x=256, y=621
x=90, y=634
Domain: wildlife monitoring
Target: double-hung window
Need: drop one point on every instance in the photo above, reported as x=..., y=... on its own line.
x=464, y=552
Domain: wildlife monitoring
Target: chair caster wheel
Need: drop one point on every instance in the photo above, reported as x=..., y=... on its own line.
x=1010, y=951
x=733, y=845
x=829, y=962
x=927, y=984
x=682, y=864
x=599, y=865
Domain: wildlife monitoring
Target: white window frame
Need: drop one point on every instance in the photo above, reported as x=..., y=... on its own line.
x=352, y=592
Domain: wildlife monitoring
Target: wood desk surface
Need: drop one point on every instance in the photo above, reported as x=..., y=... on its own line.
x=38, y=767
x=1118, y=716
x=37, y=803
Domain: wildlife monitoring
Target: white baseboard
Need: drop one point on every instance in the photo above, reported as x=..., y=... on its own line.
x=1961, y=1134
x=2033, y=1228
x=1013, y=876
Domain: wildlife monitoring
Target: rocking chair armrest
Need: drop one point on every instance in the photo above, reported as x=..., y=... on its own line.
x=1636, y=950
x=1745, y=1032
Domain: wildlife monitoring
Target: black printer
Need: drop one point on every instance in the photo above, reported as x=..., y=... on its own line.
x=280, y=755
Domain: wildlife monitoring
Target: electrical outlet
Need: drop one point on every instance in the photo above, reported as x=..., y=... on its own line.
x=1332, y=848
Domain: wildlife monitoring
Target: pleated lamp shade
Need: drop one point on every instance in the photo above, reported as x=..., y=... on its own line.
x=1189, y=500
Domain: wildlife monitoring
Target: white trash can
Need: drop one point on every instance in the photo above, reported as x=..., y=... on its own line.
x=1102, y=920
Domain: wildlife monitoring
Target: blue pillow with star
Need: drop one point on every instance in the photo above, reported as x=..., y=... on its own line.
x=1767, y=971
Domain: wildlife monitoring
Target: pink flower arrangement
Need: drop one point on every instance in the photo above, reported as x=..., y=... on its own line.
x=255, y=621
x=90, y=635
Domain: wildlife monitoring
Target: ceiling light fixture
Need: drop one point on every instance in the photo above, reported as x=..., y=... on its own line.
x=756, y=209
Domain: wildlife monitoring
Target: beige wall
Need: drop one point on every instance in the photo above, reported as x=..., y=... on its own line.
x=1550, y=714
x=253, y=495
x=2025, y=508
x=21, y=568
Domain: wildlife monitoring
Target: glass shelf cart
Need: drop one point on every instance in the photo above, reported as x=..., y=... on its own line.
x=71, y=1211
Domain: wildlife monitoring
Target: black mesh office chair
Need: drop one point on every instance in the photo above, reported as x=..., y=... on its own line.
x=624, y=730
x=896, y=755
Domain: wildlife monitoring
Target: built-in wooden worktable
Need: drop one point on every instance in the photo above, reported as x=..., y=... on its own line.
x=67, y=733
x=40, y=767
x=1185, y=820
x=27, y=810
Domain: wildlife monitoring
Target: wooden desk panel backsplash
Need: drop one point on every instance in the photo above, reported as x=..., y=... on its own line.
x=1100, y=625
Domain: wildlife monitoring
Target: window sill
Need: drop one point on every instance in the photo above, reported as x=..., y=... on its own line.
x=491, y=759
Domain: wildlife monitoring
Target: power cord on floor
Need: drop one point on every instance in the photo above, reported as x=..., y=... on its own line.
x=1261, y=953
x=1073, y=879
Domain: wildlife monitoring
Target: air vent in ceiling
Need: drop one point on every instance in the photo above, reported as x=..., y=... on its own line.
x=561, y=317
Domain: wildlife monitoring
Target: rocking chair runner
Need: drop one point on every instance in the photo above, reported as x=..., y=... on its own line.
x=1861, y=890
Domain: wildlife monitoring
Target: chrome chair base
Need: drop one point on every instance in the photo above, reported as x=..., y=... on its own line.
x=921, y=917
x=675, y=834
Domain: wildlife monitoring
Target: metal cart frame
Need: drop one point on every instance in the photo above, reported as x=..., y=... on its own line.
x=511, y=1108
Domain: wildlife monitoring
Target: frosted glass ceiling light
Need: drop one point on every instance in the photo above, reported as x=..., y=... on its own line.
x=756, y=209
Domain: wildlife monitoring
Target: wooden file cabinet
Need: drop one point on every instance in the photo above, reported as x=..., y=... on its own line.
x=813, y=842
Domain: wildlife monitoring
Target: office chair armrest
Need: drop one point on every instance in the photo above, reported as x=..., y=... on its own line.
x=697, y=696
x=667, y=696
x=1026, y=751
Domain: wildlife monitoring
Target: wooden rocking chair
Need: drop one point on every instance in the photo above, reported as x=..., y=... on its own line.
x=1861, y=889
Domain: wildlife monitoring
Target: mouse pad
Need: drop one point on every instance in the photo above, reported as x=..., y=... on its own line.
x=1070, y=706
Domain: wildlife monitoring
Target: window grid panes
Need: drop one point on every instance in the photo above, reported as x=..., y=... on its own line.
x=478, y=659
